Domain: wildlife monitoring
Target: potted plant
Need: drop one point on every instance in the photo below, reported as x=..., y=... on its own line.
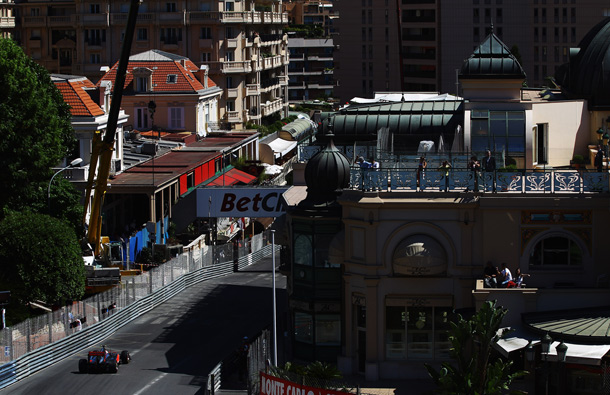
x=577, y=161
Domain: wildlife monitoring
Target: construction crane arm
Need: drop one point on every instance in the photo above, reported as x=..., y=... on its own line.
x=103, y=150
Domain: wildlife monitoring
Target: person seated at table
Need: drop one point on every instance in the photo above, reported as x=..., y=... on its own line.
x=507, y=277
x=489, y=275
x=519, y=277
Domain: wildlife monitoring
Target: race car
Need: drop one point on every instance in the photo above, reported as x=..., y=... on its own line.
x=103, y=361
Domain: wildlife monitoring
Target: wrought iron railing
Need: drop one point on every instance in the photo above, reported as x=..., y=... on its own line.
x=526, y=181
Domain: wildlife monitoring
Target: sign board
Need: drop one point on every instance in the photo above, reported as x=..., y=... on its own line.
x=275, y=386
x=240, y=202
x=7, y=351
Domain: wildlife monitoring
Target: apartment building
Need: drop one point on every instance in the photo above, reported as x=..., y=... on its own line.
x=240, y=41
x=312, y=12
x=417, y=45
x=7, y=18
x=310, y=73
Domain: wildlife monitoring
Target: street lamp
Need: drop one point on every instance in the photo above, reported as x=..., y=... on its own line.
x=562, y=351
x=600, y=132
x=72, y=164
x=546, y=345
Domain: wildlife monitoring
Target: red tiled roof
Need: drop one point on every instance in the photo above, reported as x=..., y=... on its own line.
x=183, y=68
x=81, y=104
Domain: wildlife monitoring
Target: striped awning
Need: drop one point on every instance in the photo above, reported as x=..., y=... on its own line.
x=232, y=177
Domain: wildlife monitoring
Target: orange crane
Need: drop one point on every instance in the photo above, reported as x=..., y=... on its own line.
x=103, y=148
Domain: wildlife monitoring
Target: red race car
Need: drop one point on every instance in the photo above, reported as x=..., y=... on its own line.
x=103, y=361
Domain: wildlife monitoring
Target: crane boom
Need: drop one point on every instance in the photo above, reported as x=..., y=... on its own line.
x=103, y=148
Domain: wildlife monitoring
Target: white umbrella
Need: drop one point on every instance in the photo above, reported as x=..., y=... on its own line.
x=441, y=144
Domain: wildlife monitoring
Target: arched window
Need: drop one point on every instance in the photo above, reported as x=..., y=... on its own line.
x=556, y=251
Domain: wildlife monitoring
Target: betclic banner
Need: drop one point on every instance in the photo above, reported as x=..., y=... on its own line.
x=240, y=202
x=275, y=386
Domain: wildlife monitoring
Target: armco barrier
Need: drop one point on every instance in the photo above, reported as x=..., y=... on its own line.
x=93, y=335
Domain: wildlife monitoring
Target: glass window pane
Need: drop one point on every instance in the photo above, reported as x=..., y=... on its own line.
x=516, y=145
x=302, y=250
x=441, y=332
x=395, y=332
x=498, y=127
x=479, y=127
x=303, y=324
x=479, y=144
x=419, y=333
x=328, y=330
x=516, y=128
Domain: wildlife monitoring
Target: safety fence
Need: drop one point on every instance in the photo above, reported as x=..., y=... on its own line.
x=41, y=341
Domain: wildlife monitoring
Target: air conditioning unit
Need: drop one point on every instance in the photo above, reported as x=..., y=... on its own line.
x=115, y=166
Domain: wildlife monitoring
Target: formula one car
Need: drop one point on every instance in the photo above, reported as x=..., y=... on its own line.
x=103, y=361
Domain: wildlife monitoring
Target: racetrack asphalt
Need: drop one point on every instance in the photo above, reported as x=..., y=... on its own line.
x=176, y=345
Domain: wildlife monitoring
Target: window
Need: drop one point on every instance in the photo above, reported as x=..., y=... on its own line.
x=170, y=7
x=94, y=8
x=141, y=84
x=229, y=82
x=206, y=57
x=176, y=117
x=417, y=332
x=230, y=32
x=34, y=11
x=229, y=6
x=171, y=35
x=95, y=58
x=303, y=327
x=498, y=131
x=141, y=118
x=303, y=250
x=540, y=143
x=142, y=34
x=206, y=33
x=230, y=105
x=95, y=36
x=556, y=251
x=230, y=56
x=172, y=78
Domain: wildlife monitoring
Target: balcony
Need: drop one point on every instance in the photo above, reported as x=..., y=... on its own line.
x=235, y=67
x=197, y=17
x=233, y=116
x=97, y=20
x=232, y=42
x=252, y=114
x=34, y=21
x=252, y=90
x=62, y=21
x=272, y=62
x=271, y=107
x=143, y=18
x=7, y=22
x=232, y=93
x=506, y=183
x=172, y=17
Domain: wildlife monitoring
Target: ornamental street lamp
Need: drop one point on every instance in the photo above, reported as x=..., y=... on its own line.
x=546, y=345
x=72, y=164
x=562, y=351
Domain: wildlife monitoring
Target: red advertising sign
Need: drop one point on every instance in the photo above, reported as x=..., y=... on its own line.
x=275, y=386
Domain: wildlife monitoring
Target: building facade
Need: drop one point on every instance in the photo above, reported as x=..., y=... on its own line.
x=240, y=41
x=310, y=73
x=391, y=45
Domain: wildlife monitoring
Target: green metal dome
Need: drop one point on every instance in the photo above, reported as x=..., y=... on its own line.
x=587, y=75
x=492, y=59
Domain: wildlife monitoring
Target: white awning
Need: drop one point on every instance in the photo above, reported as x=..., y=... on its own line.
x=281, y=147
x=584, y=354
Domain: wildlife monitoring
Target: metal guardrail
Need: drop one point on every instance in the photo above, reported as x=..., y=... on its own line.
x=49, y=354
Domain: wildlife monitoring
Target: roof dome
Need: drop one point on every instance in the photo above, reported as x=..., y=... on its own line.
x=587, y=75
x=327, y=171
x=492, y=59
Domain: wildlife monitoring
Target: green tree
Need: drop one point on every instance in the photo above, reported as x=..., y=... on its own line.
x=40, y=259
x=476, y=372
x=34, y=125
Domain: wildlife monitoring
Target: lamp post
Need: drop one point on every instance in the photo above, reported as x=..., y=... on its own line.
x=546, y=345
x=72, y=164
x=600, y=132
x=605, y=142
x=562, y=351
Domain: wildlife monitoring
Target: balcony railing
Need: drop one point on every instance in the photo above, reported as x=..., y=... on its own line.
x=271, y=107
x=539, y=182
x=252, y=90
x=233, y=116
x=236, y=67
x=67, y=20
x=7, y=22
